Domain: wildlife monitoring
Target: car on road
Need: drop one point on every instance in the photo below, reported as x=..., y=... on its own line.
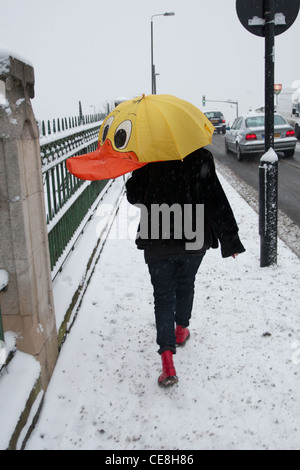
x=217, y=119
x=289, y=106
x=247, y=136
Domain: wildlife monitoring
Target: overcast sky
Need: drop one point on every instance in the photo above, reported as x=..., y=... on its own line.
x=97, y=50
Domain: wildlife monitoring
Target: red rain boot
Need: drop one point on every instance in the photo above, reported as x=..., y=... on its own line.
x=168, y=375
x=182, y=335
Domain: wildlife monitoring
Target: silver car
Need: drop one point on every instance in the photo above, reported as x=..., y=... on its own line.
x=247, y=136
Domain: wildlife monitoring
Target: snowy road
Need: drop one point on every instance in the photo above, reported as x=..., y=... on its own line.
x=238, y=374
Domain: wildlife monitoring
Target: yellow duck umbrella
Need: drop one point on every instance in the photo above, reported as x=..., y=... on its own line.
x=146, y=129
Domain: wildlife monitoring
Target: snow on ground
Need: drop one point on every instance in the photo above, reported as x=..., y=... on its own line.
x=238, y=374
x=4, y=278
x=16, y=383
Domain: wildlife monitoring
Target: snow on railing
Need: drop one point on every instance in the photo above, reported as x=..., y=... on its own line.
x=54, y=126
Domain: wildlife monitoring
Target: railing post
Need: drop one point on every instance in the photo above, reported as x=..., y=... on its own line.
x=27, y=305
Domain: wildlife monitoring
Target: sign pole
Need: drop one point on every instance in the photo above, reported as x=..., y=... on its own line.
x=269, y=72
x=268, y=170
x=268, y=18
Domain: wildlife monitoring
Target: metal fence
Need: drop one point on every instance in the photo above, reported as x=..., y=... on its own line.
x=68, y=200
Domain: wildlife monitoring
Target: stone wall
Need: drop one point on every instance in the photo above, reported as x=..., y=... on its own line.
x=27, y=305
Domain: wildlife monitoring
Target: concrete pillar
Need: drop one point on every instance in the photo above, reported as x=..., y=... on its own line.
x=27, y=305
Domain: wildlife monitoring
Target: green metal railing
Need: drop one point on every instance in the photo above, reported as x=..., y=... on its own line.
x=67, y=199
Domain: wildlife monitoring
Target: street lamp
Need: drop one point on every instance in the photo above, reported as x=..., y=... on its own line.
x=153, y=74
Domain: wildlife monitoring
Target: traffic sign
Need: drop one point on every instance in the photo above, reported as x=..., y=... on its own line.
x=251, y=15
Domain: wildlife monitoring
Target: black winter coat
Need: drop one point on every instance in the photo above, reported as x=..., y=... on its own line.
x=191, y=181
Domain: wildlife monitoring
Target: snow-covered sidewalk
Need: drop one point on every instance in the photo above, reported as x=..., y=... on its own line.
x=238, y=374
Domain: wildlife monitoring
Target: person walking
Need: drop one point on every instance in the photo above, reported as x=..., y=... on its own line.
x=190, y=195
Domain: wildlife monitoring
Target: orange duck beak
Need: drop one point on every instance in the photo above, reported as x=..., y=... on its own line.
x=104, y=163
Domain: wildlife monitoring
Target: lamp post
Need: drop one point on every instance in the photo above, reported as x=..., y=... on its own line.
x=236, y=103
x=153, y=74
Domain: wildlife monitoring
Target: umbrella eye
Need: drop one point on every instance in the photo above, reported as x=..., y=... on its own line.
x=106, y=128
x=122, y=135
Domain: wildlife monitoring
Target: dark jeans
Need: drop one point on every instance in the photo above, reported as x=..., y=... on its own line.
x=173, y=283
